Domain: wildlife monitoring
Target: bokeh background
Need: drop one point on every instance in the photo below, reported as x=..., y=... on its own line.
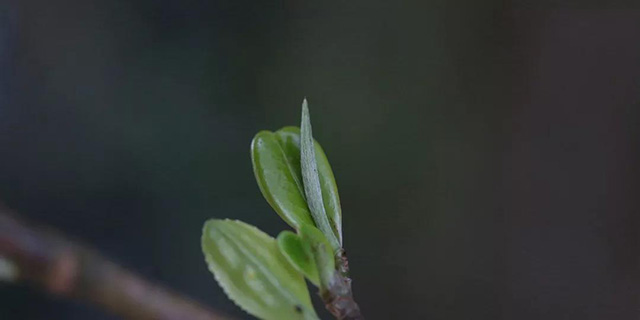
x=487, y=152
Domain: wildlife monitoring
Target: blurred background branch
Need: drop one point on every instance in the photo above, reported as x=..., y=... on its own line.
x=67, y=268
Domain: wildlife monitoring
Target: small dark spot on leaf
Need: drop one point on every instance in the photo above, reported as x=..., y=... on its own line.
x=298, y=309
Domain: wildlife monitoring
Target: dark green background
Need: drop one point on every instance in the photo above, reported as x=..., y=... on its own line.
x=486, y=152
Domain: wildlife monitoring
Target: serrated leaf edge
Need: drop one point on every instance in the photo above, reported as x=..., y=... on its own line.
x=223, y=284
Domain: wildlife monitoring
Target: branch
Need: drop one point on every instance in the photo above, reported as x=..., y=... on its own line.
x=336, y=292
x=69, y=269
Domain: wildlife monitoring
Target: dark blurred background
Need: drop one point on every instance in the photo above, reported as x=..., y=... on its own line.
x=487, y=152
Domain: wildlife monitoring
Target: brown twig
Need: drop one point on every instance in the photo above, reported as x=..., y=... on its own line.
x=337, y=294
x=66, y=268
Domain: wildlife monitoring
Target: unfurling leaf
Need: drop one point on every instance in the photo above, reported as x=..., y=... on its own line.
x=277, y=167
x=319, y=245
x=248, y=265
x=300, y=250
x=299, y=254
x=311, y=180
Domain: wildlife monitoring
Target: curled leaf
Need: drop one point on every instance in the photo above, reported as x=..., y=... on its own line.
x=311, y=180
x=248, y=265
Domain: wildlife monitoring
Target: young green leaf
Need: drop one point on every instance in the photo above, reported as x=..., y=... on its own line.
x=317, y=244
x=322, y=257
x=311, y=180
x=277, y=172
x=300, y=250
x=299, y=254
x=248, y=265
x=276, y=165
